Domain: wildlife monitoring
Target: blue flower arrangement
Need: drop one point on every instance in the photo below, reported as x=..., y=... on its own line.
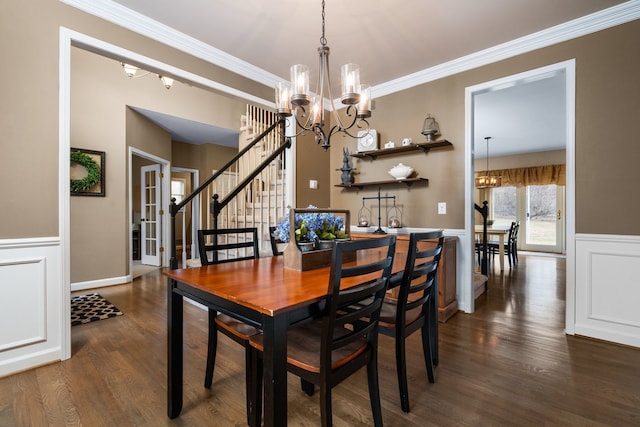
x=311, y=226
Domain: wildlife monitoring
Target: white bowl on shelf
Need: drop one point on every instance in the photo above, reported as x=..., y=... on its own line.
x=401, y=171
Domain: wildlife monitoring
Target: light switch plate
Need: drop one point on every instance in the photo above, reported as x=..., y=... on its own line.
x=442, y=208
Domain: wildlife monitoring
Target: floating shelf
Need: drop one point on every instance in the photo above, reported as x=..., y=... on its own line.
x=408, y=182
x=424, y=146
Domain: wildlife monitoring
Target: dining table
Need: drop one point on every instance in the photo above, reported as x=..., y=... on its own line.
x=260, y=292
x=499, y=231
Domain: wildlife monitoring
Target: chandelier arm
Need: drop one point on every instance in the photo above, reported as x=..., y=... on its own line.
x=346, y=131
x=304, y=119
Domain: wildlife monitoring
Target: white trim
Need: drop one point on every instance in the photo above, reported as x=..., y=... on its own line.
x=100, y=283
x=569, y=71
x=610, y=238
x=64, y=198
x=113, y=12
x=103, y=48
x=570, y=196
x=141, y=24
x=616, y=15
x=32, y=242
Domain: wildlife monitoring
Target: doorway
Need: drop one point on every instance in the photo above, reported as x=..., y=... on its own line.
x=149, y=188
x=567, y=69
x=183, y=182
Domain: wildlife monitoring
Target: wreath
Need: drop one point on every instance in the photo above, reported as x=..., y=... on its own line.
x=93, y=172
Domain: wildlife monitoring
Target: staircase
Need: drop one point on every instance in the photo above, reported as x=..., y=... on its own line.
x=249, y=191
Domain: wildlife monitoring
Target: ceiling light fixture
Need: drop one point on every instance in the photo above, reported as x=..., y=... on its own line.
x=134, y=72
x=293, y=98
x=487, y=180
x=166, y=81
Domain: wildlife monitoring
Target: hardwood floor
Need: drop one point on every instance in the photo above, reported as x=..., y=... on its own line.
x=509, y=363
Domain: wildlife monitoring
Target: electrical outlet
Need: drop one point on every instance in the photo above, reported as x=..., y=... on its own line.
x=442, y=208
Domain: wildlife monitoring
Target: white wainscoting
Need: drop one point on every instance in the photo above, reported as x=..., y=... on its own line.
x=31, y=303
x=608, y=288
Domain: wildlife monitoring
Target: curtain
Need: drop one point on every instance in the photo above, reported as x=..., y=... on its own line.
x=537, y=175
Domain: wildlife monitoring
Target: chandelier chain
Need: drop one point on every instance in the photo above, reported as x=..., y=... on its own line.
x=323, y=39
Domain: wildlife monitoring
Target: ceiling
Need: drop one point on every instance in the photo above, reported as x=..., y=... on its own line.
x=390, y=41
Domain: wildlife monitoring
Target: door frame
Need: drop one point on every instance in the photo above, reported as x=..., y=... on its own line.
x=165, y=166
x=70, y=38
x=569, y=68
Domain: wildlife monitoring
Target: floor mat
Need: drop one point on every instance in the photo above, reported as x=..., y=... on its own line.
x=91, y=307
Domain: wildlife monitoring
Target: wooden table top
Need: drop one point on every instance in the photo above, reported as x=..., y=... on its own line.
x=263, y=284
x=494, y=229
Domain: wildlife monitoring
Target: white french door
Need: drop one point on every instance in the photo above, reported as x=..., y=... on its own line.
x=542, y=229
x=150, y=222
x=540, y=210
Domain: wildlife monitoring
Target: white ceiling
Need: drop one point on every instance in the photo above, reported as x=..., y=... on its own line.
x=389, y=40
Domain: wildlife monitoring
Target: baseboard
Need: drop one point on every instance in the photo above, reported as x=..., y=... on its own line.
x=90, y=284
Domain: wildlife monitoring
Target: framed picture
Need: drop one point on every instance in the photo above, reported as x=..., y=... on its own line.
x=87, y=172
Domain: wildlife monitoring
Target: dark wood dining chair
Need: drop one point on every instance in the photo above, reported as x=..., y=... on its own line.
x=228, y=245
x=326, y=350
x=510, y=245
x=415, y=307
x=274, y=242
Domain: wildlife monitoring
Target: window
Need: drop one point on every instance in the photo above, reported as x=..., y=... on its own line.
x=178, y=189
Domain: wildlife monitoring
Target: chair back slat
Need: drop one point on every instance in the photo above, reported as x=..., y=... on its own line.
x=246, y=238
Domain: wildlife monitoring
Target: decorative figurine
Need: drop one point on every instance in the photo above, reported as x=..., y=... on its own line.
x=346, y=178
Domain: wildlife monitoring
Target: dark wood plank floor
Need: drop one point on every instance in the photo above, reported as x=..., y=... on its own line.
x=509, y=363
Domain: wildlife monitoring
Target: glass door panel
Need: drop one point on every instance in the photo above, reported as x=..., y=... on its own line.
x=150, y=195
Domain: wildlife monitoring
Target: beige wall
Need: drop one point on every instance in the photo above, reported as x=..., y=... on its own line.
x=206, y=158
x=607, y=112
x=606, y=91
x=312, y=163
x=29, y=105
x=102, y=120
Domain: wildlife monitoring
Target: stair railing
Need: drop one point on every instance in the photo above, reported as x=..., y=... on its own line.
x=218, y=205
x=484, y=260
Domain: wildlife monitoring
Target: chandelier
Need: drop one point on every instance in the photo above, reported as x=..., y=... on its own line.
x=487, y=180
x=294, y=98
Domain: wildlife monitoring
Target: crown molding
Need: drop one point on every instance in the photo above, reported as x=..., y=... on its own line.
x=141, y=24
x=117, y=14
x=611, y=17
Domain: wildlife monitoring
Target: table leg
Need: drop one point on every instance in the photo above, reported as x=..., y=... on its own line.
x=501, y=251
x=275, y=370
x=174, y=351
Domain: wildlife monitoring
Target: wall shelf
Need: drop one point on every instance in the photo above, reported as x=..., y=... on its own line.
x=408, y=182
x=424, y=146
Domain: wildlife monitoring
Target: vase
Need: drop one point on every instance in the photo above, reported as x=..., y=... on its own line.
x=305, y=246
x=325, y=244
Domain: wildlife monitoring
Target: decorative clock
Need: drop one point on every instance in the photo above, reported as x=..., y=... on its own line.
x=368, y=140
